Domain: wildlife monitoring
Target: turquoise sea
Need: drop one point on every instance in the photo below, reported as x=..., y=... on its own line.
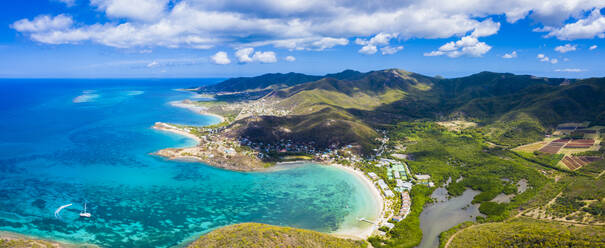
x=77, y=141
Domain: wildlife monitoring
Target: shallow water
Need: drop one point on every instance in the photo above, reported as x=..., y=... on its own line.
x=76, y=141
x=445, y=214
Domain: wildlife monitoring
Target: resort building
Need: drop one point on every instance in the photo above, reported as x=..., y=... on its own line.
x=373, y=175
x=406, y=203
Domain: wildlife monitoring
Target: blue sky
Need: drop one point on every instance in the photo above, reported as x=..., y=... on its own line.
x=214, y=38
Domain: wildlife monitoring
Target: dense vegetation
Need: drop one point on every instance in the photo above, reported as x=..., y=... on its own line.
x=466, y=156
x=407, y=233
x=529, y=233
x=250, y=235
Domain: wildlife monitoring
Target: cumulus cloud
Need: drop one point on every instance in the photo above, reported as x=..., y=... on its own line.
x=566, y=48
x=570, y=70
x=544, y=58
x=290, y=58
x=387, y=50
x=593, y=47
x=370, y=46
x=43, y=23
x=587, y=28
x=511, y=55
x=243, y=56
x=264, y=57
x=311, y=24
x=467, y=45
x=220, y=58
x=146, y=10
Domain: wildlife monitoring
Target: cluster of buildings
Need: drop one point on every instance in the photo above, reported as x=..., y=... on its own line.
x=332, y=153
x=259, y=108
x=406, y=204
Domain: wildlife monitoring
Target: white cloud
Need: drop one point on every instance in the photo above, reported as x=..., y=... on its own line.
x=570, y=70
x=146, y=10
x=153, y=64
x=544, y=58
x=370, y=46
x=243, y=56
x=467, y=45
x=511, y=55
x=290, y=58
x=587, y=28
x=368, y=49
x=328, y=42
x=593, y=47
x=264, y=57
x=566, y=48
x=220, y=58
x=43, y=23
x=312, y=24
x=387, y=50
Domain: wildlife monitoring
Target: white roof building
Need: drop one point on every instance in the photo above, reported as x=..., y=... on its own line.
x=423, y=177
x=389, y=193
x=373, y=175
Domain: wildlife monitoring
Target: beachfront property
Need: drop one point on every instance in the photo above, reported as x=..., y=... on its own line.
x=373, y=175
x=403, y=185
x=406, y=203
x=385, y=188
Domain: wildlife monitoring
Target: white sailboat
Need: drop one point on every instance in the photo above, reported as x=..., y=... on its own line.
x=84, y=213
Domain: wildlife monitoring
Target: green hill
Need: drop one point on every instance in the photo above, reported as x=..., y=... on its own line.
x=529, y=233
x=512, y=109
x=252, y=235
x=273, y=81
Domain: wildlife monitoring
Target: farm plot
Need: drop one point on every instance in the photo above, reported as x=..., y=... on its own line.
x=554, y=146
x=576, y=162
x=580, y=143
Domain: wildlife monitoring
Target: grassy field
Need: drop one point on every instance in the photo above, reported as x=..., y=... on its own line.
x=251, y=235
x=529, y=233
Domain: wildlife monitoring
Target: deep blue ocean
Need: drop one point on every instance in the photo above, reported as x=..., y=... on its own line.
x=76, y=141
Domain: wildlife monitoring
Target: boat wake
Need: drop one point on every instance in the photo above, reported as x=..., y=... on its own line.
x=58, y=211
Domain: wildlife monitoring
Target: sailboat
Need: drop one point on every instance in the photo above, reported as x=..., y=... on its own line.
x=84, y=213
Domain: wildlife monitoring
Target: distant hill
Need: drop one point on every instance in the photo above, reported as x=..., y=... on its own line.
x=273, y=81
x=512, y=109
x=252, y=235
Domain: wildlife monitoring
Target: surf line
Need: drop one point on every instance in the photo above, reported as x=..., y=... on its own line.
x=61, y=208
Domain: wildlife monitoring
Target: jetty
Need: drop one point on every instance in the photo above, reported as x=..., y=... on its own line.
x=366, y=220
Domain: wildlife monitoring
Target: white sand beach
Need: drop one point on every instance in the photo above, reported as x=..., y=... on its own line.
x=358, y=232
x=195, y=108
x=170, y=128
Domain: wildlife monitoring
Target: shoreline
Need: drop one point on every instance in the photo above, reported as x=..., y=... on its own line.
x=356, y=232
x=175, y=130
x=351, y=232
x=195, y=108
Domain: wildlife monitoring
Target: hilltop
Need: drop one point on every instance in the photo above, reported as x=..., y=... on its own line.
x=262, y=235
